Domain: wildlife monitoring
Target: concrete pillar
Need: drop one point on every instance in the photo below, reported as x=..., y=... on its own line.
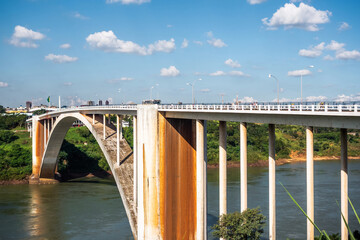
x=135, y=159
x=222, y=168
x=104, y=126
x=243, y=167
x=118, y=140
x=200, y=181
x=48, y=129
x=37, y=146
x=45, y=131
x=272, y=184
x=310, y=181
x=52, y=122
x=93, y=116
x=344, y=183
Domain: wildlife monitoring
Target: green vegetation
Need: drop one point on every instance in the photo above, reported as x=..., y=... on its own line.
x=246, y=225
x=290, y=142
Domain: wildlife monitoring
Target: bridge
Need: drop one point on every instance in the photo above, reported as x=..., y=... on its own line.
x=162, y=181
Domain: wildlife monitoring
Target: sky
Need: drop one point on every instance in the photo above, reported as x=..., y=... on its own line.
x=131, y=50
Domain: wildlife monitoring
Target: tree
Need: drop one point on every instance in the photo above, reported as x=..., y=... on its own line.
x=247, y=225
x=2, y=109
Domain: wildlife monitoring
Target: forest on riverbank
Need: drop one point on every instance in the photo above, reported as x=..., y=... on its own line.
x=80, y=154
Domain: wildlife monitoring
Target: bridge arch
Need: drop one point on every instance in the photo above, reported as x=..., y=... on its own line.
x=52, y=149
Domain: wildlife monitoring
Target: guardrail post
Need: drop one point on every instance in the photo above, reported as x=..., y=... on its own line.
x=326, y=107
x=340, y=108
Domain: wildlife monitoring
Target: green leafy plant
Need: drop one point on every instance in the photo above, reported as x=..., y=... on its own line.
x=239, y=226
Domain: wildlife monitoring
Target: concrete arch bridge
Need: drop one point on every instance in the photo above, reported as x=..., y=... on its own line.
x=162, y=181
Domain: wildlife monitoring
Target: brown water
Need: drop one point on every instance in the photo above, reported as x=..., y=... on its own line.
x=92, y=208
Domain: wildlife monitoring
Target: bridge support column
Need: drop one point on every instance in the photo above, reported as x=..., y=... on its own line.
x=222, y=168
x=118, y=137
x=104, y=128
x=38, y=147
x=344, y=183
x=135, y=140
x=310, y=181
x=170, y=175
x=93, y=118
x=44, y=124
x=243, y=166
x=272, y=183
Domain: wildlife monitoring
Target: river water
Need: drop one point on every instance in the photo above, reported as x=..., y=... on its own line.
x=92, y=208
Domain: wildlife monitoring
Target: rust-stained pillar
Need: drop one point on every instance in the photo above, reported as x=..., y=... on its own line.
x=310, y=181
x=118, y=139
x=135, y=159
x=272, y=184
x=37, y=146
x=45, y=131
x=48, y=130
x=104, y=126
x=167, y=175
x=344, y=183
x=243, y=166
x=222, y=168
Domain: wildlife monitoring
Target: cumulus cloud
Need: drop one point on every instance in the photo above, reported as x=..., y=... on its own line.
x=79, y=16
x=3, y=84
x=345, y=98
x=247, y=100
x=185, y=43
x=60, y=58
x=298, y=73
x=304, y=17
x=344, y=26
x=252, y=2
x=169, y=72
x=232, y=63
x=218, y=73
x=128, y=1
x=335, y=46
x=312, y=52
x=231, y=73
x=348, y=55
x=65, y=46
x=23, y=37
x=107, y=41
x=216, y=42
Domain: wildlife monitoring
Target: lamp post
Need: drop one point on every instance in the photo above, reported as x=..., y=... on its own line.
x=192, y=86
x=301, y=77
x=277, y=81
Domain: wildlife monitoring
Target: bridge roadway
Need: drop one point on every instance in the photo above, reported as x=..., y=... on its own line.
x=167, y=171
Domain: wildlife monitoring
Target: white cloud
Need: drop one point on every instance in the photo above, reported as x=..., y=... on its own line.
x=126, y=79
x=312, y=52
x=348, y=55
x=79, y=16
x=298, y=73
x=335, y=46
x=216, y=42
x=120, y=79
x=316, y=98
x=237, y=73
x=108, y=42
x=169, y=72
x=68, y=84
x=218, y=73
x=23, y=37
x=247, y=100
x=65, y=46
x=205, y=90
x=304, y=17
x=232, y=63
x=60, y=58
x=3, y=84
x=128, y=1
x=344, y=26
x=198, y=42
x=345, y=98
x=255, y=1
x=185, y=43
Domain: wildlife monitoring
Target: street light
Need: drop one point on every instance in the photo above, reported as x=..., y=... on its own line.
x=301, y=76
x=192, y=86
x=277, y=81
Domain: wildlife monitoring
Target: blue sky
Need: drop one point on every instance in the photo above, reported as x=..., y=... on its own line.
x=88, y=50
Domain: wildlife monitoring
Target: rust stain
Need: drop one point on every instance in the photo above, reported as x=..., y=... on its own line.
x=177, y=178
x=39, y=147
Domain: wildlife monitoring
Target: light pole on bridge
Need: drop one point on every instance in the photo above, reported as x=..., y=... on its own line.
x=192, y=86
x=277, y=81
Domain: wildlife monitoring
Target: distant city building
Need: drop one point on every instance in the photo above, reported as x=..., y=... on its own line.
x=91, y=103
x=106, y=102
x=100, y=102
x=28, y=105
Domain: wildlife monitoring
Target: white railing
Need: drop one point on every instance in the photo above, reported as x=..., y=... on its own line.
x=260, y=108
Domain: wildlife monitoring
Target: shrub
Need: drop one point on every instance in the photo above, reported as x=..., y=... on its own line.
x=246, y=225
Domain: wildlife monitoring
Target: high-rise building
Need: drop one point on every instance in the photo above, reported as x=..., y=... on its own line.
x=28, y=105
x=100, y=102
x=106, y=102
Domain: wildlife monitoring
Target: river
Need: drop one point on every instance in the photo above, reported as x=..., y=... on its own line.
x=91, y=208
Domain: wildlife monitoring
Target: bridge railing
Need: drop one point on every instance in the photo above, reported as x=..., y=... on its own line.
x=278, y=108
